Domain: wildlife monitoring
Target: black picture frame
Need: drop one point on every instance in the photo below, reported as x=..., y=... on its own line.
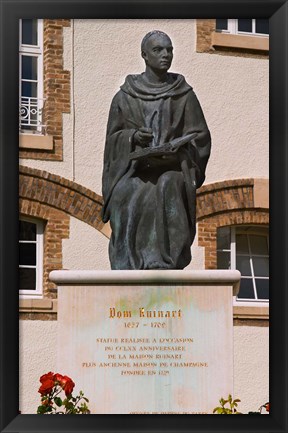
x=11, y=12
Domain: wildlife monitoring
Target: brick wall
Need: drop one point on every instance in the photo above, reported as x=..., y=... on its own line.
x=219, y=204
x=225, y=204
x=204, y=30
x=61, y=194
x=224, y=196
x=56, y=82
x=53, y=198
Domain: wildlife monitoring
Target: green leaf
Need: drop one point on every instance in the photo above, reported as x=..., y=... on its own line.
x=58, y=401
x=220, y=410
x=41, y=409
x=69, y=406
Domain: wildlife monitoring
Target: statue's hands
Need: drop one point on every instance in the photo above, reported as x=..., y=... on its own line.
x=143, y=136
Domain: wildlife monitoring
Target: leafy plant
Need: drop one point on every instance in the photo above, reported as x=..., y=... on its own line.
x=231, y=409
x=53, y=386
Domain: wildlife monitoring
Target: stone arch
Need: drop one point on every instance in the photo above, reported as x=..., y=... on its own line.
x=228, y=203
x=51, y=198
x=62, y=194
x=231, y=202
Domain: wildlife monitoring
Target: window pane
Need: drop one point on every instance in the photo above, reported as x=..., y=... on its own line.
x=245, y=25
x=246, y=289
x=258, y=244
x=29, y=67
x=221, y=24
x=243, y=265
x=27, y=231
x=262, y=26
x=27, y=279
x=262, y=287
x=27, y=254
x=261, y=266
x=242, y=244
x=223, y=238
x=29, y=32
x=223, y=260
x=29, y=89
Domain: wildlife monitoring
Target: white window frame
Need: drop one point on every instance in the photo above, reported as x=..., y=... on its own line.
x=33, y=51
x=240, y=301
x=232, y=28
x=38, y=292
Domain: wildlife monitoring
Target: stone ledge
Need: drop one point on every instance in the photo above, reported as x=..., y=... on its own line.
x=106, y=230
x=261, y=193
x=37, y=305
x=240, y=41
x=35, y=142
x=250, y=312
x=207, y=277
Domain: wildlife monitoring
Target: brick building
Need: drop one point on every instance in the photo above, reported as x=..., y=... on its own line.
x=70, y=70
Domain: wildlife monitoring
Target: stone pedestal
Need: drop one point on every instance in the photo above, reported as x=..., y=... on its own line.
x=147, y=341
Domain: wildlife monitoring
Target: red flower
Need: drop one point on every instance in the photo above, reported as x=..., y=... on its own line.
x=49, y=380
x=58, y=377
x=46, y=387
x=65, y=382
x=67, y=385
x=267, y=406
x=47, y=376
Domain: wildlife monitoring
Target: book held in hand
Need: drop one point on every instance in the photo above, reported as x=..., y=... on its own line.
x=166, y=149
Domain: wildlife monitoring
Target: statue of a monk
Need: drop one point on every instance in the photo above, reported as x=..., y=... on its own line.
x=156, y=152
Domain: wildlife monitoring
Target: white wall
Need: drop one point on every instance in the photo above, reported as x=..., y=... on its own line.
x=233, y=92
x=86, y=248
x=251, y=366
x=38, y=356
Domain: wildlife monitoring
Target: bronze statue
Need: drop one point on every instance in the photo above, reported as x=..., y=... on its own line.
x=156, y=151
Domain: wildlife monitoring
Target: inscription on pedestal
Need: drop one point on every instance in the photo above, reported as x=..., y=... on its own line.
x=147, y=349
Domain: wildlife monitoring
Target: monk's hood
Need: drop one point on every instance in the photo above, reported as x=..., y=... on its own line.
x=138, y=87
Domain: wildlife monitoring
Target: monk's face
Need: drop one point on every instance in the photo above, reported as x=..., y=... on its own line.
x=158, y=52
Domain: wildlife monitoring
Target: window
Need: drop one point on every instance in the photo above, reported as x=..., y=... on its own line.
x=31, y=76
x=30, y=257
x=241, y=37
x=257, y=27
x=246, y=248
